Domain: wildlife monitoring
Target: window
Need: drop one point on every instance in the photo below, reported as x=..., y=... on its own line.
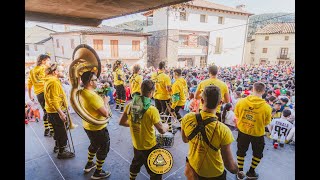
x=183, y=40
x=203, y=18
x=27, y=47
x=286, y=38
x=203, y=61
x=202, y=41
x=263, y=61
x=35, y=47
x=57, y=41
x=136, y=45
x=98, y=44
x=114, y=48
x=284, y=53
x=264, y=50
x=72, y=43
x=220, y=20
x=183, y=16
x=62, y=49
x=266, y=38
x=219, y=43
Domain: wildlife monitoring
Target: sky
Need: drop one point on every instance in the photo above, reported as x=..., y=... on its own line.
x=252, y=6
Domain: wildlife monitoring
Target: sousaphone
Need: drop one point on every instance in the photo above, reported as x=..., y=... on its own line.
x=84, y=59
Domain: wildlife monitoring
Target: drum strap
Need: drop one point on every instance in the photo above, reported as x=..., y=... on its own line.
x=201, y=128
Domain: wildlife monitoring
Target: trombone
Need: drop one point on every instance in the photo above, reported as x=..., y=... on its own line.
x=68, y=127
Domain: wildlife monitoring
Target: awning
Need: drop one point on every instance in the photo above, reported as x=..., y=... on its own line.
x=88, y=12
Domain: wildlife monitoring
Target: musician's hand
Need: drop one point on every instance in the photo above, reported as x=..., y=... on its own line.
x=31, y=98
x=165, y=127
x=172, y=109
x=63, y=117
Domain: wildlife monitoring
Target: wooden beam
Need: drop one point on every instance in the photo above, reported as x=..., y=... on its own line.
x=51, y=18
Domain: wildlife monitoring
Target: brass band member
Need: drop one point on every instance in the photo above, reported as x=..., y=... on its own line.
x=37, y=78
x=253, y=114
x=98, y=134
x=213, y=80
x=135, y=81
x=179, y=93
x=163, y=88
x=209, y=146
x=55, y=105
x=118, y=77
x=141, y=116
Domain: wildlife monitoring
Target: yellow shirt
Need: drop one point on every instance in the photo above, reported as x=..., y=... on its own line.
x=162, y=81
x=54, y=95
x=213, y=81
x=204, y=160
x=253, y=114
x=37, y=78
x=91, y=102
x=135, y=83
x=180, y=88
x=115, y=77
x=143, y=134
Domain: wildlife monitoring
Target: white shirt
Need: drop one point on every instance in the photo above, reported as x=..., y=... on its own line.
x=281, y=127
x=230, y=118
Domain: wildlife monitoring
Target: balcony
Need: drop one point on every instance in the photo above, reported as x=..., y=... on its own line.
x=192, y=50
x=283, y=57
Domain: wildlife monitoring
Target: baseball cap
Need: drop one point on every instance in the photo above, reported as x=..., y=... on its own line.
x=278, y=102
x=277, y=91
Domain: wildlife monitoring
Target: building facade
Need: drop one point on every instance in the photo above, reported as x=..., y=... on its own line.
x=37, y=41
x=272, y=44
x=197, y=34
x=110, y=44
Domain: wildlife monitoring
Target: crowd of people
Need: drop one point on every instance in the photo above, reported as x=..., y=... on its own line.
x=255, y=100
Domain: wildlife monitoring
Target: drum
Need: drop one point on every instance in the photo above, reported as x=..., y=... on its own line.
x=165, y=140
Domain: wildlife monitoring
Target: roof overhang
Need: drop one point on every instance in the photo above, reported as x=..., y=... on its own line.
x=88, y=12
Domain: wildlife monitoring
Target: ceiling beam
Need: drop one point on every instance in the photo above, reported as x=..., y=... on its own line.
x=51, y=18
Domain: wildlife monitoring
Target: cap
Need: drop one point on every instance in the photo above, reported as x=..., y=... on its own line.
x=278, y=102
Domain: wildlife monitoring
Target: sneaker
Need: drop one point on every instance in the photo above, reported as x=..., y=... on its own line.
x=47, y=132
x=65, y=154
x=89, y=166
x=117, y=107
x=100, y=174
x=121, y=110
x=253, y=175
x=51, y=133
x=55, y=149
x=241, y=175
x=37, y=119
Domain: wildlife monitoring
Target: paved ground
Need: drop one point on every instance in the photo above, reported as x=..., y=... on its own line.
x=41, y=163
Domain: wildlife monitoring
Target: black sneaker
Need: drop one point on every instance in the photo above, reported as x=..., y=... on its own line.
x=55, y=149
x=65, y=154
x=47, y=132
x=37, y=120
x=89, y=166
x=100, y=174
x=117, y=107
x=121, y=110
x=51, y=133
x=253, y=175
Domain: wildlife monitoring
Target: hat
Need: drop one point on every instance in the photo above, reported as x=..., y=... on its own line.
x=278, y=102
x=283, y=91
x=284, y=100
x=277, y=91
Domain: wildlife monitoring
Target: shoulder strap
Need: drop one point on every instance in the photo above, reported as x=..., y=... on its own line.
x=201, y=128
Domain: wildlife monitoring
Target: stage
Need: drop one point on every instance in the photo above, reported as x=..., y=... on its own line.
x=42, y=164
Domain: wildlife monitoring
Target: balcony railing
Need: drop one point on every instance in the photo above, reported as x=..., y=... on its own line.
x=282, y=56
